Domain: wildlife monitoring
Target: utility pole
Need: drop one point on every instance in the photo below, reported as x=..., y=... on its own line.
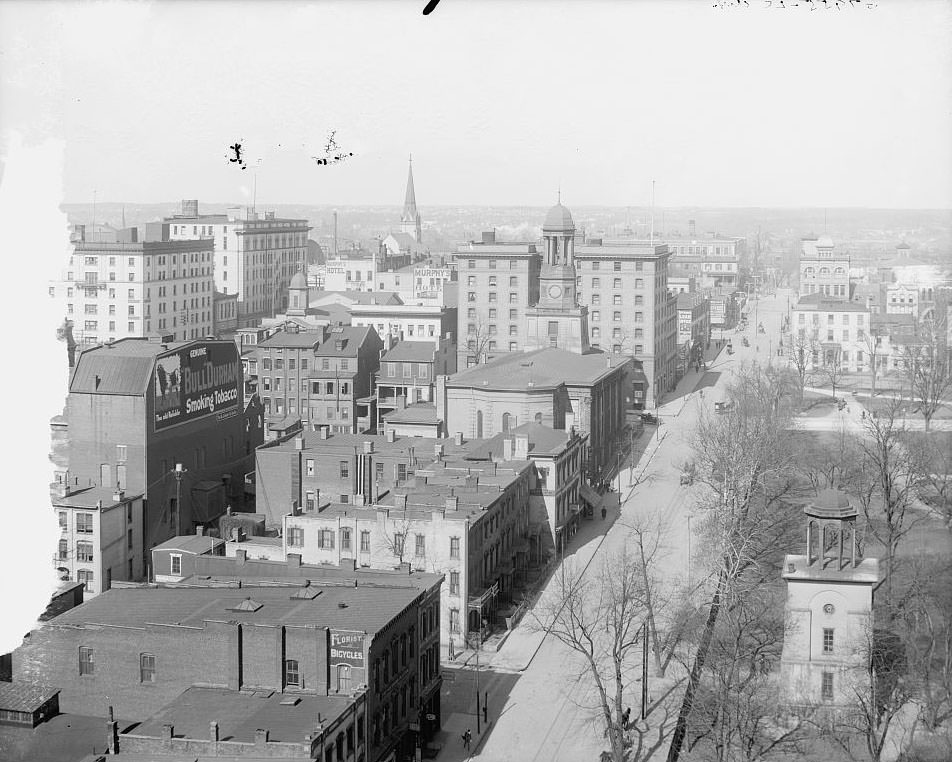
x=179, y=470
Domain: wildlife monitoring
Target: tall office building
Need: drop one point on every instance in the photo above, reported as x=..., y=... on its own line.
x=143, y=284
x=256, y=255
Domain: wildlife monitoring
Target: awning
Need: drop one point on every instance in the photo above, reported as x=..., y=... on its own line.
x=589, y=495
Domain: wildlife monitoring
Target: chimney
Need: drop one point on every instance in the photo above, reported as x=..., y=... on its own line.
x=241, y=555
x=391, y=435
x=295, y=508
x=508, y=448
x=237, y=534
x=294, y=560
x=112, y=734
x=458, y=438
x=299, y=442
x=228, y=510
x=522, y=447
x=261, y=737
x=168, y=731
x=400, y=501
x=322, y=432
x=438, y=451
x=118, y=495
x=213, y=731
x=199, y=531
x=452, y=503
x=368, y=447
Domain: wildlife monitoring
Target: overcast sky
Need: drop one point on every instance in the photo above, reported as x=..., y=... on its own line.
x=499, y=102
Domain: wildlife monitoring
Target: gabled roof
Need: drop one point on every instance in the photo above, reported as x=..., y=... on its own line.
x=410, y=351
x=351, y=336
x=286, y=339
x=123, y=367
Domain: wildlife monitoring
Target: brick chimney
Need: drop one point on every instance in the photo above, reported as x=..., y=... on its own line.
x=213, y=731
x=508, y=448
x=522, y=447
x=299, y=442
x=391, y=435
x=400, y=501
x=458, y=438
x=452, y=503
x=368, y=447
x=261, y=737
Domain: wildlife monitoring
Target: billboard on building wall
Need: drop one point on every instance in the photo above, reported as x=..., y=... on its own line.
x=347, y=647
x=197, y=381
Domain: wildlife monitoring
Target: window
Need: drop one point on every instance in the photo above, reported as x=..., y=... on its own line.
x=617, y=282
x=292, y=673
x=513, y=281
x=454, y=583
x=827, y=640
x=84, y=523
x=309, y=465
x=454, y=547
x=86, y=664
x=454, y=620
x=513, y=298
x=398, y=544
x=63, y=550
x=616, y=317
x=639, y=283
x=343, y=682
x=86, y=576
x=344, y=469
x=325, y=539
x=146, y=668
x=639, y=266
x=616, y=299
x=471, y=264
x=296, y=536
x=826, y=688
x=62, y=520
x=365, y=542
x=176, y=564
x=345, y=539
x=596, y=333
x=596, y=265
x=596, y=282
x=420, y=549
x=596, y=316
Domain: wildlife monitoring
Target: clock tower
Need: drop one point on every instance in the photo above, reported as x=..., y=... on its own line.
x=558, y=320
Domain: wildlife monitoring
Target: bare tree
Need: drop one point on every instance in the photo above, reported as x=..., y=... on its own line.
x=477, y=341
x=803, y=344
x=932, y=460
x=824, y=463
x=831, y=370
x=400, y=540
x=737, y=715
x=889, y=470
x=926, y=369
x=600, y=617
x=872, y=341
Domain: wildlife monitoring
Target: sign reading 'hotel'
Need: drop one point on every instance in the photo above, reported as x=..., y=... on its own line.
x=196, y=381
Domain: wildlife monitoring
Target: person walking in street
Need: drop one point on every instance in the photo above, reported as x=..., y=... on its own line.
x=467, y=739
x=604, y=512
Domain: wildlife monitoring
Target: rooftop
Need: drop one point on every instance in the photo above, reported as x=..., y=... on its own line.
x=367, y=608
x=544, y=368
x=543, y=440
x=827, y=303
x=90, y=497
x=424, y=447
x=410, y=351
x=24, y=697
x=351, y=336
x=284, y=339
x=558, y=219
x=191, y=543
x=420, y=412
x=123, y=367
x=239, y=714
x=866, y=571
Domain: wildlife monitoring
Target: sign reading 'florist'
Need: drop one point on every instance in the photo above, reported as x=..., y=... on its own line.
x=347, y=648
x=196, y=381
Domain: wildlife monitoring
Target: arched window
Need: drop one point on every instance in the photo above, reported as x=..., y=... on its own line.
x=824, y=271
x=505, y=421
x=538, y=417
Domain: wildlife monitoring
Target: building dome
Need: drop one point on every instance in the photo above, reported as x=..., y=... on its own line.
x=831, y=503
x=298, y=280
x=559, y=219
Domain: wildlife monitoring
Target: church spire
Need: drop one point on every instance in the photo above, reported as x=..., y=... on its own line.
x=410, y=219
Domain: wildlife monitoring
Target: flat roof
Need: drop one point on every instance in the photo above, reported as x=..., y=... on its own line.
x=824, y=302
x=410, y=351
x=240, y=714
x=89, y=497
x=420, y=412
x=287, y=339
x=539, y=369
x=424, y=447
x=543, y=440
x=366, y=608
x=191, y=543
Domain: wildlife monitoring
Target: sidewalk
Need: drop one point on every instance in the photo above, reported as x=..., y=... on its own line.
x=522, y=643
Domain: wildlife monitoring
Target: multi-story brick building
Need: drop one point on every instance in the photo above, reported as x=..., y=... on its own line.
x=551, y=386
x=255, y=255
x=822, y=271
x=100, y=537
x=466, y=520
x=408, y=322
x=368, y=649
x=408, y=374
x=343, y=468
x=143, y=284
x=694, y=328
x=165, y=421
x=715, y=260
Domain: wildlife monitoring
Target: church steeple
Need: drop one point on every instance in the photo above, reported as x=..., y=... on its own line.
x=410, y=219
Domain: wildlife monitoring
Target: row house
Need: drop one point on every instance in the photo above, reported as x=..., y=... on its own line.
x=465, y=520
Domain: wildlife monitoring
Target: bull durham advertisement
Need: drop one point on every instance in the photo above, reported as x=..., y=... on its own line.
x=347, y=648
x=196, y=381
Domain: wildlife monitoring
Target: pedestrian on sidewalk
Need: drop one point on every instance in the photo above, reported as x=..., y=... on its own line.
x=467, y=739
x=604, y=512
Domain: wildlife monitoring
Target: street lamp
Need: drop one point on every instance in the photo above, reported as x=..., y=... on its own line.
x=179, y=470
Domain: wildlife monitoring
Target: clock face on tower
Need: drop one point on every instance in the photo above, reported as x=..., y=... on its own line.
x=555, y=291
